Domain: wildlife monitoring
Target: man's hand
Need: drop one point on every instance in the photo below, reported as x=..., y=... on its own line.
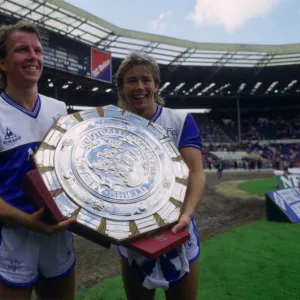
x=183, y=224
x=35, y=223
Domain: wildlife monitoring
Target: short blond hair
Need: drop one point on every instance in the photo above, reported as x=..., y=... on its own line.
x=5, y=33
x=132, y=60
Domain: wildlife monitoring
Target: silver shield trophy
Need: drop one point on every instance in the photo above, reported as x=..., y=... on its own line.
x=116, y=172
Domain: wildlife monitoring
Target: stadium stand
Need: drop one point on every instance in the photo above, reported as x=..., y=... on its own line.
x=251, y=91
x=265, y=128
x=210, y=131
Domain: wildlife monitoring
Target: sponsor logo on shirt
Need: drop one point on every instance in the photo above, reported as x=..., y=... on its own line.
x=55, y=118
x=172, y=133
x=10, y=137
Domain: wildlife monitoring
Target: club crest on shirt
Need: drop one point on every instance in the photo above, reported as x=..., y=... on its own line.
x=10, y=137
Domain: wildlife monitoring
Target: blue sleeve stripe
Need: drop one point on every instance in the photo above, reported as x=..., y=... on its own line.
x=190, y=134
x=192, y=146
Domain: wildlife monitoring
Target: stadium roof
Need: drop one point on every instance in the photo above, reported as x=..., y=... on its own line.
x=69, y=20
x=194, y=75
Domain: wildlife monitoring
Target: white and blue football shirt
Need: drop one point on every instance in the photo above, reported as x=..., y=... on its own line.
x=172, y=266
x=21, y=132
x=180, y=126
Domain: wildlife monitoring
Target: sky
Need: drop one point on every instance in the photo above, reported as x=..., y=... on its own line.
x=207, y=21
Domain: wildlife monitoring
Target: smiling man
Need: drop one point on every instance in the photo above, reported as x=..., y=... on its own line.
x=32, y=252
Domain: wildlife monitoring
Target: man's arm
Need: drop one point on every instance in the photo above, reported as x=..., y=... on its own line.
x=12, y=215
x=195, y=186
x=196, y=180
